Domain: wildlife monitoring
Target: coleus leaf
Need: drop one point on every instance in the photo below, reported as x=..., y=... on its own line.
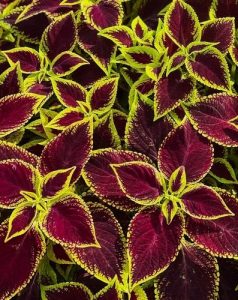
x=59, y=36
x=210, y=68
x=169, y=92
x=57, y=254
x=38, y=6
x=98, y=47
x=66, y=291
x=71, y=148
x=219, y=237
x=185, y=147
x=139, y=181
x=121, y=35
x=66, y=117
x=215, y=118
x=223, y=8
x=181, y=23
x=27, y=57
x=152, y=244
x=30, y=250
x=11, y=81
x=108, y=260
x=140, y=56
x=142, y=133
x=21, y=105
x=98, y=172
x=68, y=92
x=139, y=294
x=15, y=176
x=56, y=182
x=178, y=180
x=12, y=151
x=183, y=278
x=67, y=62
x=203, y=202
x=103, y=13
x=175, y=62
x=20, y=221
x=102, y=95
x=140, y=29
x=69, y=222
x=221, y=31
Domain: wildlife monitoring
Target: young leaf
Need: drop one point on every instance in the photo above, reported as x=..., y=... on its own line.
x=152, y=243
x=110, y=292
x=181, y=23
x=139, y=28
x=15, y=176
x=192, y=268
x=103, y=13
x=169, y=92
x=142, y=133
x=69, y=222
x=178, y=180
x=140, y=56
x=108, y=260
x=185, y=147
x=21, y=105
x=27, y=57
x=223, y=171
x=66, y=291
x=210, y=68
x=219, y=237
x=56, y=182
x=221, y=31
x=203, y=202
x=59, y=36
x=67, y=62
x=215, y=118
x=98, y=173
x=102, y=95
x=139, y=181
x=20, y=221
x=121, y=35
x=30, y=250
x=68, y=92
x=71, y=148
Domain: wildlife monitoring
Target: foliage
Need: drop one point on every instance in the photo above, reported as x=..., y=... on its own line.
x=118, y=149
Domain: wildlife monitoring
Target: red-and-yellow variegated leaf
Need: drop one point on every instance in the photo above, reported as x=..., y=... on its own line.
x=139, y=181
x=185, y=147
x=66, y=291
x=220, y=236
x=19, y=260
x=59, y=36
x=194, y=275
x=203, y=202
x=210, y=68
x=71, y=148
x=102, y=95
x=152, y=244
x=139, y=294
x=16, y=110
x=181, y=23
x=110, y=292
x=220, y=31
x=103, y=13
x=67, y=62
x=68, y=92
x=215, y=117
x=11, y=81
x=107, y=261
x=122, y=35
x=101, y=179
x=69, y=222
x=57, y=254
x=15, y=176
x=28, y=58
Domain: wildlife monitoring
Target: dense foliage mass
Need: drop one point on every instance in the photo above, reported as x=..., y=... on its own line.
x=118, y=149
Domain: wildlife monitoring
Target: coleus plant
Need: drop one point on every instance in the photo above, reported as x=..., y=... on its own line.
x=118, y=150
